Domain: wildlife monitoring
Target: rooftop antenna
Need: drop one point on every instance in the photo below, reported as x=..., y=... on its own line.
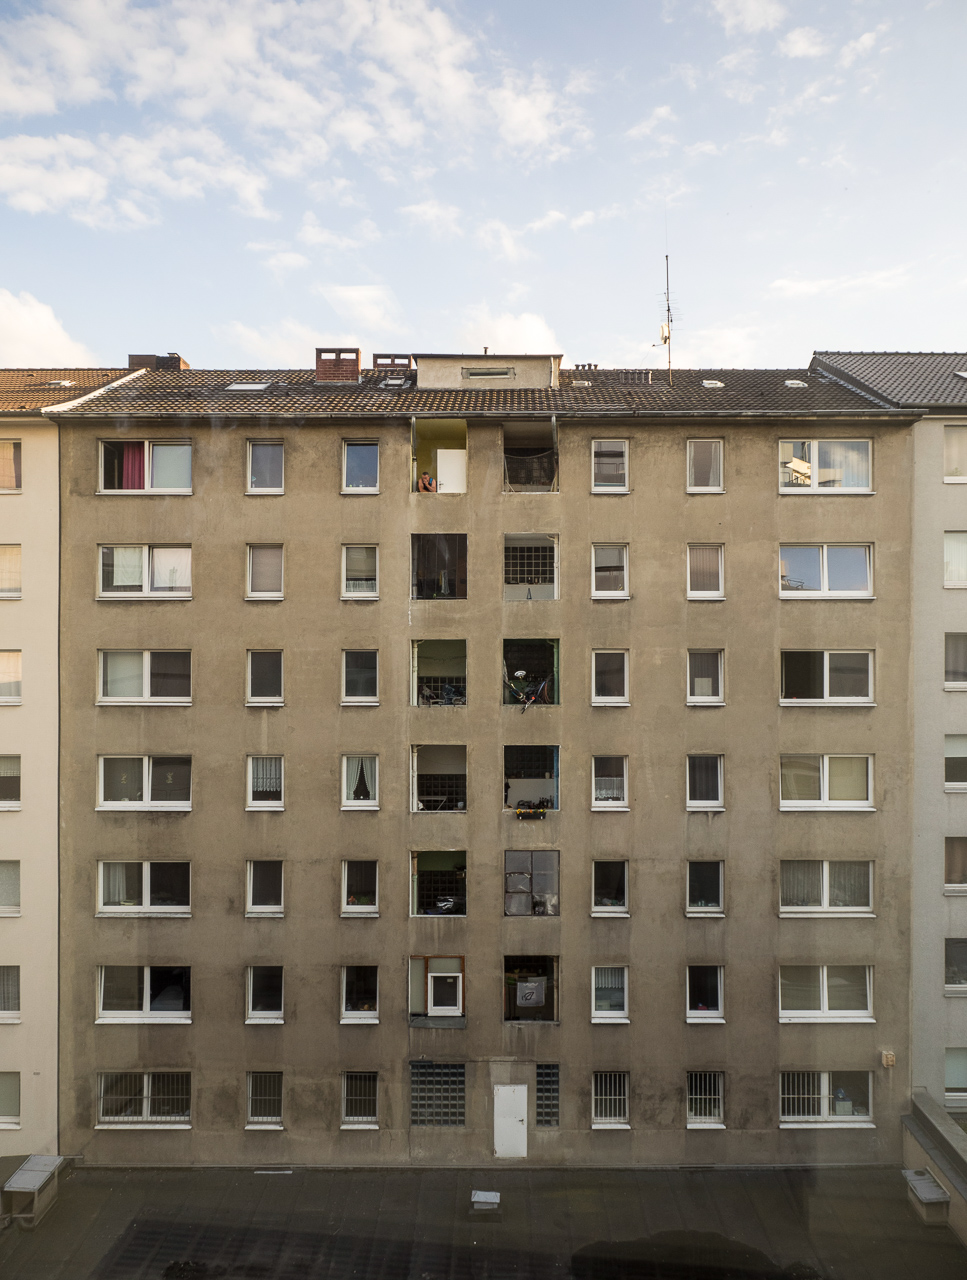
x=666, y=329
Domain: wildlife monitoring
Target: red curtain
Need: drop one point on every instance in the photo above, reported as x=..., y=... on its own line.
x=132, y=466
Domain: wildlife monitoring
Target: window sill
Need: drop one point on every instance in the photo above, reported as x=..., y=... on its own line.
x=610, y=808
x=349, y=1021
x=136, y=1124
x=9, y=913
x=826, y=702
x=612, y=595
x=955, y=788
x=955, y=993
x=272, y=599
x=955, y=586
x=697, y=1022
x=359, y=808
x=360, y=914
x=130, y=597
x=8, y=1019
x=265, y=1022
x=11, y=595
x=264, y=915
x=264, y=493
x=610, y=1126
x=789, y=807
x=603, y=1022
x=827, y=595
x=11, y=702
x=265, y=808
x=824, y=914
x=699, y=913
x=359, y=493
x=123, y=914
x=713, y=599
x=265, y=702
x=954, y=686
x=704, y=808
x=704, y=702
x=136, y=806
x=826, y=1124
x=145, y=1021
x=359, y=1126
x=9, y=1124
x=359, y=702
x=143, y=493
x=611, y=915
x=611, y=702
x=704, y=1124
x=804, y=491
x=707, y=489
x=825, y=1019
x=359, y=596
x=264, y=1128
x=955, y=890
x=143, y=702
x=946, y=480
x=10, y=806
x=616, y=492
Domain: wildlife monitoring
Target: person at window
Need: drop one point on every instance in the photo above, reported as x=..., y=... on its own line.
x=426, y=483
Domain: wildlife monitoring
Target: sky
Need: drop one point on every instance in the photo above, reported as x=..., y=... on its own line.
x=243, y=180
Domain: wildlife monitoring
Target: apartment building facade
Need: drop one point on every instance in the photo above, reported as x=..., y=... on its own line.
x=483, y=760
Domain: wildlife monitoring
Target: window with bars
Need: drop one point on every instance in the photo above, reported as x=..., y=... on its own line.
x=825, y=1097
x=437, y=1093
x=704, y=1099
x=439, y=883
x=265, y=1098
x=359, y=1098
x=610, y=1100
x=547, y=1096
x=144, y=1097
x=530, y=567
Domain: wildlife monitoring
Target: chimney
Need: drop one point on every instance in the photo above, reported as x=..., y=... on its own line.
x=337, y=364
x=170, y=363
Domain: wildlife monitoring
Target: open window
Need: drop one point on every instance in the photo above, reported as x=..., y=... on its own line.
x=531, y=780
x=436, y=987
x=530, y=988
x=439, y=673
x=439, y=455
x=530, y=566
x=439, y=781
x=531, y=672
x=530, y=457
x=439, y=883
x=439, y=566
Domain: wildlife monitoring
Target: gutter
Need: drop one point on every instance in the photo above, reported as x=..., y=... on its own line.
x=342, y=415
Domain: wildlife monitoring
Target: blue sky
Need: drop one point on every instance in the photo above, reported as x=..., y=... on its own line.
x=239, y=180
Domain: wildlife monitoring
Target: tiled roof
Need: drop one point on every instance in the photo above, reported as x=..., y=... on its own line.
x=293, y=392
x=31, y=390
x=905, y=379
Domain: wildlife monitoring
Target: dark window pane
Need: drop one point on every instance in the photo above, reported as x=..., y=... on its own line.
x=703, y=780
x=362, y=466
x=849, y=675
x=800, y=568
x=266, y=466
x=609, y=884
x=704, y=564
x=705, y=464
x=955, y=666
x=266, y=673
x=802, y=674
x=800, y=987
x=122, y=884
x=849, y=1093
x=361, y=673
x=122, y=779
x=171, y=778
x=530, y=672
x=170, y=884
x=122, y=989
x=439, y=566
x=266, y=884
x=170, y=989
x=361, y=988
x=703, y=988
x=266, y=570
x=609, y=779
x=123, y=465
x=170, y=674
x=441, y=883
x=609, y=675
x=360, y=884
x=955, y=769
x=705, y=885
x=956, y=962
x=955, y=860
x=266, y=988
x=529, y=989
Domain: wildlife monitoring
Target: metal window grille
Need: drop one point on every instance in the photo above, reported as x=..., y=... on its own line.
x=133, y=1097
x=437, y=1093
x=359, y=1097
x=441, y=690
x=704, y=1096
x=527, y=468
x=610, y=1097
x=530, y=762
x=528, y=565
x=169, y=1095
x=801, y=1095
x=439, y=791
x=265, y=1097
x=548, y=1095
x=441, y=892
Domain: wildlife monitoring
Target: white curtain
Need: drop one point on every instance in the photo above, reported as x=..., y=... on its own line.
x=9, y=464
x=954, y=559
x=703, y=568
x=267, y=774
x=266, y=570
x=10, y=570
x=171, y=569
x=10, y=885
x=849, y=884
x=171, y=466
x=123, y=674
x=801, y=883
x=848, y=778
x=955, y=451
x=10, y=685
x=365, y=766
x=128, y=566
x=121, y=884
x=9, y=988
x=844, y=464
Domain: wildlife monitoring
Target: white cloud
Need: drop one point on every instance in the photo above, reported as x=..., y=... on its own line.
x=534, y=119
x=311, y=232
x=442, y=219
x=338, y=190
x=861, y=46
x=514, y=334
x=803, y=42
x=282, y=263
x=285, y=344
x=727, y=346
x=749, y=15
x=367, y=306
x=499, y=239
x=647, y=127
x=32, y=336
x=550, y=219
x=853, y=286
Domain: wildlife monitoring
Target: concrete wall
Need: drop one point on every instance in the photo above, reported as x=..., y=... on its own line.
x=657, y=836
x=29, y=835
x=447, y=371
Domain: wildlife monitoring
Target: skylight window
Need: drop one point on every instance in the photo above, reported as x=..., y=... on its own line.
x=488, y=373
x=795, y=382
x=60, y=382
x=248, y=386
x=712, y=382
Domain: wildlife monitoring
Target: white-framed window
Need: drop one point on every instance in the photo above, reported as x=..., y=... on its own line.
x=704, y=993
x=360, y=466
x=609, y=677
x=813, y=571
x=704, y=789
x=360, y=782
x=839, y=1099
x=955, y=865
x=825, y=466
x=704, y=889
x=813, y=676
x=11, y=476
x=609, y=466
x=11, y=677
x=955, y=661
x=705, y=684
x=706, y=571
x=609, y=1100
x=436, y=986
x=955, y=1079
x=704, y=1090
x=360, y=1098
x=264, y=1092
x=9, y=992
x=263, y=999
x=360, y=573
x=360, y=993
x=811, y=887
x=609, y=571
x=826, y=993
x=264, y=782
x=609, y=993
x=139, y=572
x=705, y=470
x=145, y=466
x=955, y=455
x=360, y=887
x=360, y=677
x=609, y=782
x=265, y=467
x=265, y=573
x=955, y=560
x=144, y=1099
x=144, y=993
x=144, y=782
x=10, y=888
x=263, y=888
x=11, y=583
x=9, y=782
x=825, y=782
x=9, y=1099
x=144, y=675
x=955, y=966
x=609, y=887
x=263, y=678
x=144, y=888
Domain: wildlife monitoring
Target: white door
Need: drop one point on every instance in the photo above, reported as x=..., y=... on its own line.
x=510, y=1120
x=451, y=470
